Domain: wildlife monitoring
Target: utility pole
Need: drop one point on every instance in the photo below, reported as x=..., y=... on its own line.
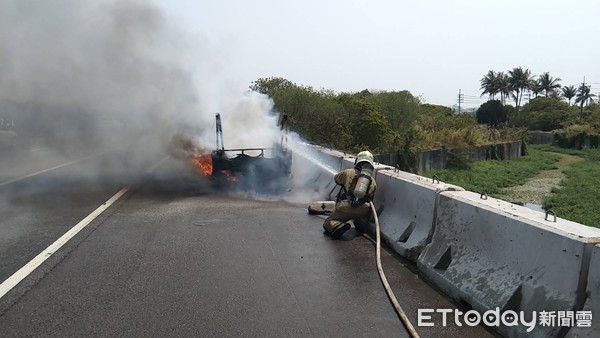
x=460, y=99
x=582, y=96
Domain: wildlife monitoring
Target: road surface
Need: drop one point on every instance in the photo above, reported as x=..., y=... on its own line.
x=172, y=257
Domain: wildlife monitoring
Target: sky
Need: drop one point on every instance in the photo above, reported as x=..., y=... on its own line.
x=122, y=73
x=137, y=74
x=160, y=67
x=432, y=48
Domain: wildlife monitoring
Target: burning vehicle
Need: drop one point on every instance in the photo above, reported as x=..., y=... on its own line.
x=260, y=170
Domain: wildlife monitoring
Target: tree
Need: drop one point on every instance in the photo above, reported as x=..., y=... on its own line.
x=548, y=84
x=489, y=84
x=368, y=124
x=569, y=92
x=593, y=116
x=555, y=95
x=542, y=113
x=492, y=113
x=519, y=81
x=310, y=113
x=503, y=84
x=583, y=96
x=536, y=88
x=495, y=83
x=401, y=108
x=268, y=85
x=435, y=109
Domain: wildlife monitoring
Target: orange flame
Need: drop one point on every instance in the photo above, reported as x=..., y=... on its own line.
x=203, y=164
x=228, y=175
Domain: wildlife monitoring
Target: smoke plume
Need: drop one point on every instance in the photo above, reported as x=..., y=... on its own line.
x=116, y=73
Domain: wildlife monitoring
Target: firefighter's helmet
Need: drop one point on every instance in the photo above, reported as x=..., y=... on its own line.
x=364, y=156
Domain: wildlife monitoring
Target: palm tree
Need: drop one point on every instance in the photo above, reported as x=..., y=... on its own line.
x=536, y=88
x=495, y=83
x=519, y=81
x=555, y=95
x=504, y=85
x=583, y=96
x=488, y=84
x=569, y=92
x=548, y=84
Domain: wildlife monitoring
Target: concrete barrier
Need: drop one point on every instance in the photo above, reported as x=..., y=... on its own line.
x=592, y=303
x=541, y=137
x=484, y=252
x=406, y=205
x=487, y=254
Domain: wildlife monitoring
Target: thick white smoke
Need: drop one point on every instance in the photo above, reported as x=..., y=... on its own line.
x=117, y=73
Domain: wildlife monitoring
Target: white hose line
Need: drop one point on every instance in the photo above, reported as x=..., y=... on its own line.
x=409, y=327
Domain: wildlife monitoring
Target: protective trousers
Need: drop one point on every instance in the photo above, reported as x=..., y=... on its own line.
x=344, y=212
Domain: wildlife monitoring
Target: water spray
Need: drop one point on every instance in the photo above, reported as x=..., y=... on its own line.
x=305, y=154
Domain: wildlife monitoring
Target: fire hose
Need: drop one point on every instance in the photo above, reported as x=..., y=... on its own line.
x=407, y=324
x=405, y=321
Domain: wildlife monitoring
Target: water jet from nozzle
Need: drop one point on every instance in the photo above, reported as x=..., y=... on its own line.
x=305, y=154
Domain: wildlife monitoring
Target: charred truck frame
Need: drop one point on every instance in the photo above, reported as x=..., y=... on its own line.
x=235, y=168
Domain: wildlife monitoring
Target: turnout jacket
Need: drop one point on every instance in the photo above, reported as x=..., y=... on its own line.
x=344, y=178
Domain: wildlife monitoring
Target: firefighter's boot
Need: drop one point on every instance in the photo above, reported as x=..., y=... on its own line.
x=339, y=231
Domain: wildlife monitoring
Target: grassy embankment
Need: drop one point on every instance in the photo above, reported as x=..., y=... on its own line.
x=563, y=180
x=577, y=198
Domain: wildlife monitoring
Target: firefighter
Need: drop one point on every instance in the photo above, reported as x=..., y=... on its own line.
x=354, y=198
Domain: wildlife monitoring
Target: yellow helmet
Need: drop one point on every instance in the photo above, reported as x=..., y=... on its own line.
x=364, y=156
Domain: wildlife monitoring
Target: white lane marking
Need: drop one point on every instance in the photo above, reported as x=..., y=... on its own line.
x=28, y=268
x=45, y=170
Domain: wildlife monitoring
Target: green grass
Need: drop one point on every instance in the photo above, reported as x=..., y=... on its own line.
x=491, y=176
x=578, y=196
x=576, y=199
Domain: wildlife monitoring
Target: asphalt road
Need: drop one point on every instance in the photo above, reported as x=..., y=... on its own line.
x=173, y=257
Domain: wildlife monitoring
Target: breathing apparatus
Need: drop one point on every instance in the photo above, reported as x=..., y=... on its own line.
x=359, y=188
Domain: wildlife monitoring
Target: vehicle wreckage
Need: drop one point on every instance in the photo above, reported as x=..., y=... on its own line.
x=266, y=172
